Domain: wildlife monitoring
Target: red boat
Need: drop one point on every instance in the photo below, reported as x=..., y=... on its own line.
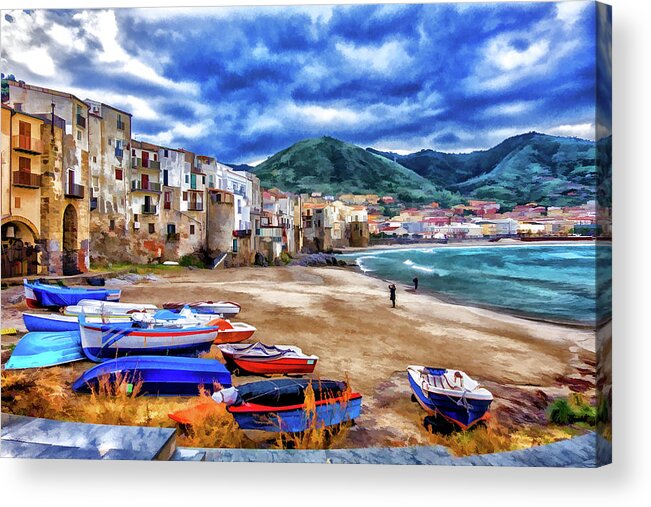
x=262, y=359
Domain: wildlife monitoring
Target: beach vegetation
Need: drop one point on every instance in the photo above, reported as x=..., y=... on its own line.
x=192, y=260
x=573, y=409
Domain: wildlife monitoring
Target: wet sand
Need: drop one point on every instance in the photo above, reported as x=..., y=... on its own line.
x=346, y=319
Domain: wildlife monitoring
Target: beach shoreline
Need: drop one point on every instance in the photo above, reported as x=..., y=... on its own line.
x=345, y=318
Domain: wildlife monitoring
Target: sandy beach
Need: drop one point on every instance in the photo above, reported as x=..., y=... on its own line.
x=345, y=317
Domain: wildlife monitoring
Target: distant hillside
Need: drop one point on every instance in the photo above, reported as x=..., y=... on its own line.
x=333, y=167
x=533, y=167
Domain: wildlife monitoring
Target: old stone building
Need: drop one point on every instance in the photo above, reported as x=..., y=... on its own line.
x=61, y=169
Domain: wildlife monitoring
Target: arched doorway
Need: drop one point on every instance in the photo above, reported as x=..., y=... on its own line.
x=19, y=250
x=70, y=250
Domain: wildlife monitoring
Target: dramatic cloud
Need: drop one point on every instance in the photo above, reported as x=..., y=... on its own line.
x=242, y=83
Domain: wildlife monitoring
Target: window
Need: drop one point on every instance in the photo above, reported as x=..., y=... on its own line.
x=152, y=228
x=16, y=202
x=118, y=173
x=187, y=178
x=192, y=229
x=135, y=217
x=110, y=141
x=78, y=109
x=203, y=180
x=79, y=135
x=111, y=225
x=168, y=200
x=24, y=164
x=165, y=177
x=155, y=156
x=185, y=196
x=133, y=153
x=94, y=159
x=171, y=228
x=166, y=153
x=234, y=246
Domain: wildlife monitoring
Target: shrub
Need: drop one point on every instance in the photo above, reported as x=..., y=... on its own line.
x=572, y=410
x=191, y=260
x=285, y=258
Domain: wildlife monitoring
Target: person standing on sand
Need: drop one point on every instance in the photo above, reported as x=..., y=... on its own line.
x=392, y=294
x=415, y=280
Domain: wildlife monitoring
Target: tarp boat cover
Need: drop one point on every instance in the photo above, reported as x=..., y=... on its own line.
x=38, y=350
x=39, y=294
x=279, y=405
x=160, y=375
x=224, y=308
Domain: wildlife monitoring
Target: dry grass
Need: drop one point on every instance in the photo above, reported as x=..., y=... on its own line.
x=494, y=437
x=26, y=393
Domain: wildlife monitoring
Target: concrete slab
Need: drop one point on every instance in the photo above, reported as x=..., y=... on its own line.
x=93, y=441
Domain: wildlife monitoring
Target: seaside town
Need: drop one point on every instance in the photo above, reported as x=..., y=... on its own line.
x=84, y=191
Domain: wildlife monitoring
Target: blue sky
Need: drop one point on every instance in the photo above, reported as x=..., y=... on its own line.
x=243, y=83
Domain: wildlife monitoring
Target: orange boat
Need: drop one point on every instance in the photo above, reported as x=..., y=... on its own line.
x=231, y=332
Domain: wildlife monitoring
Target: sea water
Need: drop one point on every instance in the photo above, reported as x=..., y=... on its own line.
x=541, y=281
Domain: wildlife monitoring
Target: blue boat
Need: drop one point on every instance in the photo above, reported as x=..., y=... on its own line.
x=38, y=350
x=451, y=394
x=279, y=405
x=160, y=375
x=107, y=341
x=43, y=295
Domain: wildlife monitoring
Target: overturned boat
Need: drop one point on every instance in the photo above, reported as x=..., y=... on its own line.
x=106, y=341
x=451, y=394
x=280, y=405
x=38, y=350
x=261, y=359
x=157, y=375
x=43, y=295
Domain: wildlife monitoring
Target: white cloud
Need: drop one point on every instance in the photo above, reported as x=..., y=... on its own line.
x=582, y=130
x=389, y=56
x=507, y=57
x=180, y=131
x=570, y=12
x=510, y=108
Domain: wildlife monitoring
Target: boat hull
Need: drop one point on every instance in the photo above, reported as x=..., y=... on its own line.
x=279, y=405
x=451, y=408
x=39, y=295
x=158, y=376
x=57, y=323
x=39, y=350
x=110, y=341
x=234, y=335
x=271, y=367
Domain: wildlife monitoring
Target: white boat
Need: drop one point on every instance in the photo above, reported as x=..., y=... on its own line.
x=451, y=393
x=93, y=307
x=224, y=308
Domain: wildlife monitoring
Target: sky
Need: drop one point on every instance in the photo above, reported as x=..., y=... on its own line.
x=243, y=83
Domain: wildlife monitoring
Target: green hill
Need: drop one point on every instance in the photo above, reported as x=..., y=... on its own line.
x=533, y=167
x=333, y=167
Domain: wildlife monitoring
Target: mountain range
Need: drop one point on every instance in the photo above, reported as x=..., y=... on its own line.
x=532, y=167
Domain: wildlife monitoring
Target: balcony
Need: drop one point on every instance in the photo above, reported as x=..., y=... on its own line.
x=150, y=186
x=269, y=232
x=138, y=163
x=149, y=209
x=81, y=121
x=26, y=179
x=195, y=206
x=242, y=233
x=173, y=236
x=27, y=144
x=74, y=190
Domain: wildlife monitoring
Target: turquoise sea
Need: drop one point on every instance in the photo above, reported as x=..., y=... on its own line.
x=539, y=281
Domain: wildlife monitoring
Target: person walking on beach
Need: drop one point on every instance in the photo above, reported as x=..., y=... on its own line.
x=415, y=280
x=392, y=295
